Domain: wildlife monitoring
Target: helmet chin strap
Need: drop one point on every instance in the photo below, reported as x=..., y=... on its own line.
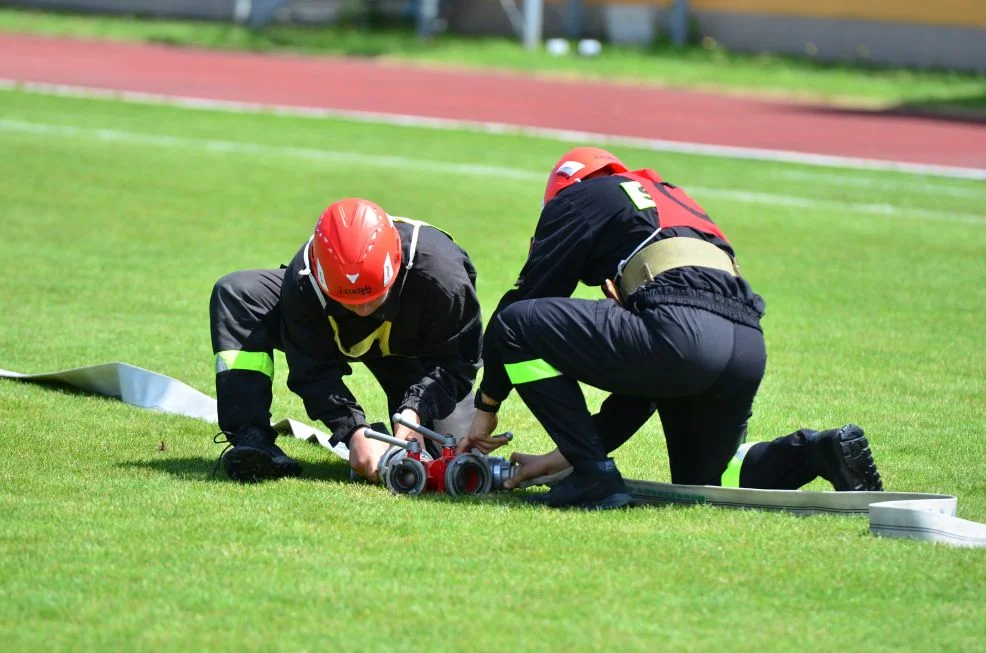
x=308, y=273
x=413, y=249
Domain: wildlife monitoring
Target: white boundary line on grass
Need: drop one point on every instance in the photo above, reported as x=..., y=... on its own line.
x=487, y=172
x=661, y=145
x=245, y=147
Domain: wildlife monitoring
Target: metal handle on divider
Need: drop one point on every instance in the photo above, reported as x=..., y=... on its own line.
x=427, y=432
x=389, y=439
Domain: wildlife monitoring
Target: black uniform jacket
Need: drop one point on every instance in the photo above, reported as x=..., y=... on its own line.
x=432, y=314
x=583, y=234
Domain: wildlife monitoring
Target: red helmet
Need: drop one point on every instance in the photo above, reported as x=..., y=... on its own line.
x=356, y=251
x=578, y=164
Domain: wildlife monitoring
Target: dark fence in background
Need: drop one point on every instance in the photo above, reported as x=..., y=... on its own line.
x=224, y=10
x=257, y=12
x=957, y=45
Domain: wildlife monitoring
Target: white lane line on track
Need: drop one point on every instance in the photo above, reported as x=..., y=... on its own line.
x=484, y=171
x=572, y=136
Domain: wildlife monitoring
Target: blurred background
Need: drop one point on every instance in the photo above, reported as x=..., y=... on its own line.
x=949, y=34
x=944, y=34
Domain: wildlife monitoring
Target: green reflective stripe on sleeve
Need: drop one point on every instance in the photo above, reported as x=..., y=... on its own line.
x=731, y=477
x=528, y=371
x=256, y=361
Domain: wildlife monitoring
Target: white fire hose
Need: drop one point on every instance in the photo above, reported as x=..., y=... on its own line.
x=915, y=515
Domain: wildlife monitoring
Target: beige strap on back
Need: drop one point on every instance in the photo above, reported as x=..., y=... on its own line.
x=673, y=253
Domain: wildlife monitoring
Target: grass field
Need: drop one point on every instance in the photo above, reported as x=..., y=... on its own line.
x=115, y=221
x=802, y=78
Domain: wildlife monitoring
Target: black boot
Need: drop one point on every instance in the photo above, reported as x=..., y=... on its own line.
x=254, y=456
x=843, y=458
x=594, y=485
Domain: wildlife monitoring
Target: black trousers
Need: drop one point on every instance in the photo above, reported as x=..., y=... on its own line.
x=699, y=371
x=245, y=316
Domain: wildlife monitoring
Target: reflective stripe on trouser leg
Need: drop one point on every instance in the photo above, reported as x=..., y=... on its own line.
x=528, y=371
x=731, y=477
x=255, y=361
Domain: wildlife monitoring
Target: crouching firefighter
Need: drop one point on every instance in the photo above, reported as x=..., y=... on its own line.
x=679, y=333
x=394, y=294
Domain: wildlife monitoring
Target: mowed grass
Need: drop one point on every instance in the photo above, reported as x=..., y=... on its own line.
x=116, y=536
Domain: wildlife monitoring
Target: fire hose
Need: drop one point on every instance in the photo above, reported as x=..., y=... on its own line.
x=915, y=515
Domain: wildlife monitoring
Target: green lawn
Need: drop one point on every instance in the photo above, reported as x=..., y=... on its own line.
x=116, y=219
x=696, y=67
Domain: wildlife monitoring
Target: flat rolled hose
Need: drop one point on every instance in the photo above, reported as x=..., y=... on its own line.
x=915, y=515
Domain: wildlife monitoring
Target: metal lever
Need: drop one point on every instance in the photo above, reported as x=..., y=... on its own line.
x=408, y=445
x=443, y=440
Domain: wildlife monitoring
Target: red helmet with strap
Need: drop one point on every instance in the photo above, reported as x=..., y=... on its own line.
x=355, y=251
x=576, y=165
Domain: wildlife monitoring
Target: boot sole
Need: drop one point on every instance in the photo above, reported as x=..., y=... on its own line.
x=248, y=465
x=612, y=502
x=854, y=450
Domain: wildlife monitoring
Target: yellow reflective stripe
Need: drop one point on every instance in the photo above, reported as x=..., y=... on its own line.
x=381, y=334
x=528, y=371
x=731, y=477
x=256, y=361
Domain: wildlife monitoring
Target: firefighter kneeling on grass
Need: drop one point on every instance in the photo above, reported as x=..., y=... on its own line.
x=394, y=294
x=680, y=334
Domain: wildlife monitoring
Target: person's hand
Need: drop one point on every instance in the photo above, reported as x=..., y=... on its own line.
x=481, y=434
x=365, y=454
x=401, y=432
x=530, y=467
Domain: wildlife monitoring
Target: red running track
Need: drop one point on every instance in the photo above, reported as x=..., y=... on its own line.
x=615, y=109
